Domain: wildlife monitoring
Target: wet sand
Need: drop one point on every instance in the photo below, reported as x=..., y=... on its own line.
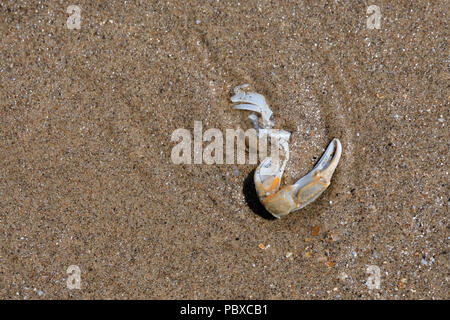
x=86, y=118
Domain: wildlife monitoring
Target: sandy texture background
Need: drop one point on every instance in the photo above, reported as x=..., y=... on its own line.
x=86, y=177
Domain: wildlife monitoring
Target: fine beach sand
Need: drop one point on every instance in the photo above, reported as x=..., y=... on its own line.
x=86, y=177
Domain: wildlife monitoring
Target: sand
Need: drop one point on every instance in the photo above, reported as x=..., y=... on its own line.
x=86, y=118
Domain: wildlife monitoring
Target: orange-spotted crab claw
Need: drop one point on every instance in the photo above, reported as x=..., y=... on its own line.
x=293, y=197
x=280, y=202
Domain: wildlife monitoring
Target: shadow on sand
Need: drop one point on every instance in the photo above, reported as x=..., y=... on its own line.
x=252, y=198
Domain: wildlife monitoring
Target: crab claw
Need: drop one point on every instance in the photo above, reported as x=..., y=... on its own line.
x=296, y=196
x=252, y=101
x=268, y=178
